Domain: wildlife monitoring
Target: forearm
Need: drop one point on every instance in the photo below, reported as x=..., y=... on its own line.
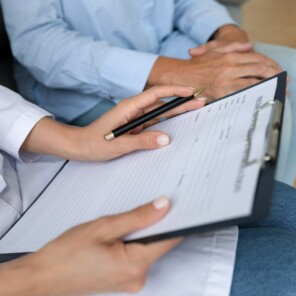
x=20, y=277
x=166, y=71
x=173, y=71
x=53, y=138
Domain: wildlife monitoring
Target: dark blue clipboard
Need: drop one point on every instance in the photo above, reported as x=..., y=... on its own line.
x=265, y=184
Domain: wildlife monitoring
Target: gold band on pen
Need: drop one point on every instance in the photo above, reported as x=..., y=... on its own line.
x=109, y=136
x=200, y=90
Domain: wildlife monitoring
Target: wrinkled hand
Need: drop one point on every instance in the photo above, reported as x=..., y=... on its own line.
x=228, y=38
x=228, y=63
x=96, y=148
x=222, y=47
x=250, y=69
x=225, y=72
x=91, y=258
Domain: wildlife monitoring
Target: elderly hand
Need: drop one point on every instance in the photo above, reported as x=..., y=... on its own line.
x=225, y=72
x=228, y=38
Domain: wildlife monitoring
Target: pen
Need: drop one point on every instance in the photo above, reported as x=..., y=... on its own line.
x=152, y=114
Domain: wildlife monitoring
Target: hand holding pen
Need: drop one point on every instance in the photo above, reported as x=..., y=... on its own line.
x=152, y=114
x=91, y=144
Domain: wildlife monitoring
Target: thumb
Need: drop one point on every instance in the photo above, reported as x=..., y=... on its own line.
x=141, y=217
x=147, y=140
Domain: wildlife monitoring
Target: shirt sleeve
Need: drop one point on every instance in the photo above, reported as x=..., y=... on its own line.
x=200, y=19
x=17, y=119
x=60, y=57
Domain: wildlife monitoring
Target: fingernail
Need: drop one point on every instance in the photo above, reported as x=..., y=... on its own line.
x=201, y=99
x=161, y=203
x=163, y=140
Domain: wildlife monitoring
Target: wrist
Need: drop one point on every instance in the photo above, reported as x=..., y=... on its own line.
x=230, y=32
x=53, y=138
x=166, y=71
x=23, y=277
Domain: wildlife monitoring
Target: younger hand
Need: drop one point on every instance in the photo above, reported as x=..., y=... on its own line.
x=91, y=258
x=89, y=144
x=96, y=148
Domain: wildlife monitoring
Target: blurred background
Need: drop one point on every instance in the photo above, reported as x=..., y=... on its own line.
x=271, y=21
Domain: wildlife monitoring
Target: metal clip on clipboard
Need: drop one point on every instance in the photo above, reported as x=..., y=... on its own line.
x=272, y=136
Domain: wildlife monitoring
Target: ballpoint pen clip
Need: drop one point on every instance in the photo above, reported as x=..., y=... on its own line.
x=200, y=91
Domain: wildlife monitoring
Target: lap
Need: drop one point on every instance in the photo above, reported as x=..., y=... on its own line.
x=283, y=209
x=266, y=254
x=265, y=262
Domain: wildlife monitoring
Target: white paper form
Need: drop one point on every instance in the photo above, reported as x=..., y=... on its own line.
x=202, y=170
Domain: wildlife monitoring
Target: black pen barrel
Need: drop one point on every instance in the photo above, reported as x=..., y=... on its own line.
x=150, y=115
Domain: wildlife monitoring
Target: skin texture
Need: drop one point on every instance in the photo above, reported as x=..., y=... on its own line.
x=88, y=143
x=227, y=63
x=92, y=258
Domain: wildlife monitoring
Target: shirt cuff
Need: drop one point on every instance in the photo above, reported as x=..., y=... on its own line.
x=202, y=30
x=125, y=72
x=19, y=132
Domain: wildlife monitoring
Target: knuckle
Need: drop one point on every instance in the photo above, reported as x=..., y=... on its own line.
x=261, y=68
x=156, y=90
x=147, y=141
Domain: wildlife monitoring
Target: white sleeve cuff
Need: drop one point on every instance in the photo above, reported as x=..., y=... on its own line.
x=19, y=132
x=125, y=72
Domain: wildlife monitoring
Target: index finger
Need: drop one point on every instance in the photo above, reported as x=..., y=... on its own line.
x=254, y=57
x=156, y=93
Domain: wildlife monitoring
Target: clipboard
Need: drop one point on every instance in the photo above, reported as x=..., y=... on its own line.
x=265, y=181
x=268, y=163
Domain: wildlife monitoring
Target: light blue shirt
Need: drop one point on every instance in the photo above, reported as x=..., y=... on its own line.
x=83, y=51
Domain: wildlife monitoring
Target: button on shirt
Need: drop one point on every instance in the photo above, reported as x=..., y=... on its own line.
x=17, y=118
x=86, y=51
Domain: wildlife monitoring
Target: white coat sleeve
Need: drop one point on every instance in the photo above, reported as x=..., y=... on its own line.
x=17, y=118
